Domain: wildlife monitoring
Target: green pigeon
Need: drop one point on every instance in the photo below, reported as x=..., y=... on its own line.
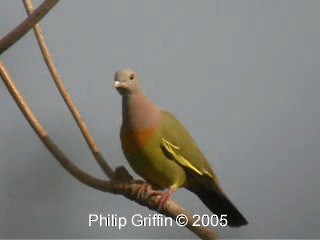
x=161, y=150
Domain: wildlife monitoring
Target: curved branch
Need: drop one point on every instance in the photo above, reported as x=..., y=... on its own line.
x=66, y=96
x=121, y=185
x=17, y=33
x=41, y=132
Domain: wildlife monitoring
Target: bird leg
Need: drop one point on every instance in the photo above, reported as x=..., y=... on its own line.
x=145, y=187
x=164, y=197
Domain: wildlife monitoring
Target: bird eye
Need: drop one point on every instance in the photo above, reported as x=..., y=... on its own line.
x=131, y=77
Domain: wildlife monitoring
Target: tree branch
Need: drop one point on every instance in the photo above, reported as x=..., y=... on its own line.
x=66, y=96
x=119, y=185
x=17, y=33
x=41, y=132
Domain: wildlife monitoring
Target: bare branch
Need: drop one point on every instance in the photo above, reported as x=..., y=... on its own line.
x=17, y=33
x=124, y=187
x=66, y=96
x=41, y=132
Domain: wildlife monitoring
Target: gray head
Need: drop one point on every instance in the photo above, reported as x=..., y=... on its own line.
x=126, y=82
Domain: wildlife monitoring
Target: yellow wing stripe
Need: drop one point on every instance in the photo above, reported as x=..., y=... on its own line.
x=181, y=160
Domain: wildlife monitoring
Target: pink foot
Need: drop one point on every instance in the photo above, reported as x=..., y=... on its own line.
x=144, y=187
x=165, y=196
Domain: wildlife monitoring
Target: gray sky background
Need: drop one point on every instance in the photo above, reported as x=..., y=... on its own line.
x=243, y=76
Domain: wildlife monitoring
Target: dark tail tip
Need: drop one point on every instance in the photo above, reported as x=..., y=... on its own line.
x=235, y=218
x=220, y=204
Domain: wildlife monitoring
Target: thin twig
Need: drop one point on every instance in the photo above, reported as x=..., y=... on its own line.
x=17, y=33
x=126, y=188
x=41, y=132
x=66, y=96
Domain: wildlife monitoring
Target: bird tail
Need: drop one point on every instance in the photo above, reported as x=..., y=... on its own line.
x=219, y=203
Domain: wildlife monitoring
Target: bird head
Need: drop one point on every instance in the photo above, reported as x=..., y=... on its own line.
x=126, y=82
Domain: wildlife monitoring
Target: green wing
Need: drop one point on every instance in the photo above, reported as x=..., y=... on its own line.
x=180, y=146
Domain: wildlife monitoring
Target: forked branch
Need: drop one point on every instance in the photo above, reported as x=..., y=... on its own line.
x=121, y=182
x=119, y=185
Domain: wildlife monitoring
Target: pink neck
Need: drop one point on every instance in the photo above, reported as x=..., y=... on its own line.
x=139, y=113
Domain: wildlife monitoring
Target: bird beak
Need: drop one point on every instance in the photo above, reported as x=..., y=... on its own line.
x=117, y=84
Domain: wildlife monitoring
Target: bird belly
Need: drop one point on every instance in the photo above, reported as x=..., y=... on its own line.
x=146, y=158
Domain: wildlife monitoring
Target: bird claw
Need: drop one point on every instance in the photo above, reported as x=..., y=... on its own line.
x=165, y=196
x=144, y=187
